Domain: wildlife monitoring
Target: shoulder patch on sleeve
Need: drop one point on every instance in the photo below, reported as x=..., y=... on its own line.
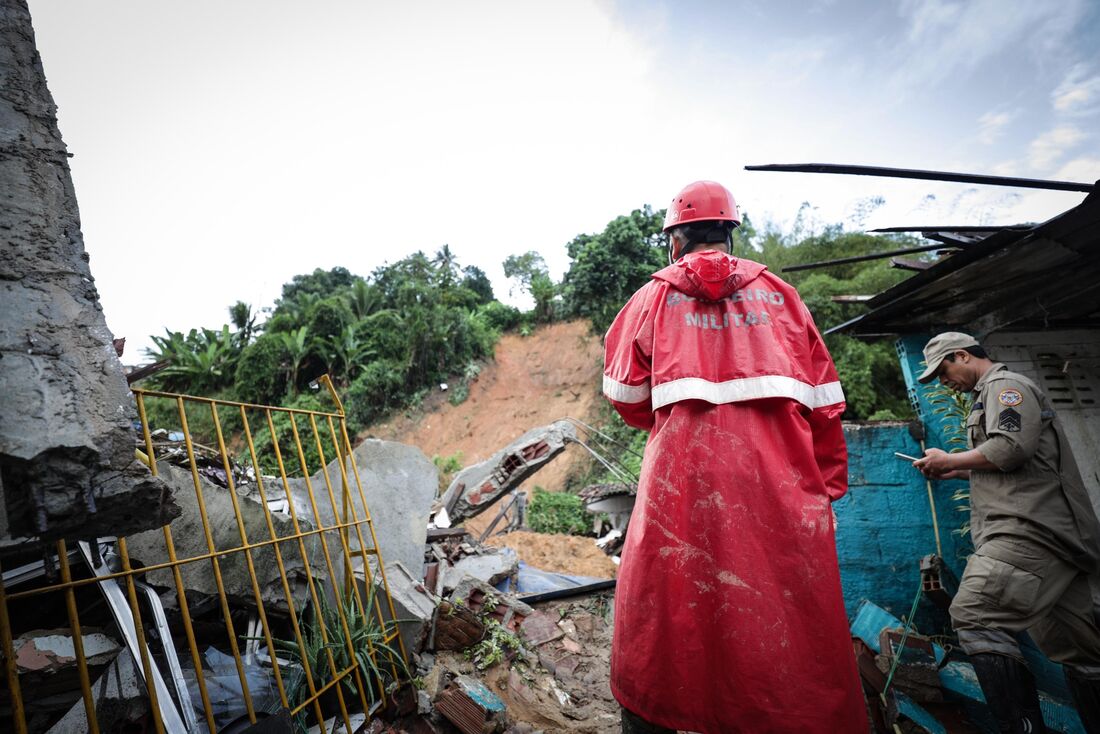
x=1010, y=397
x=1009, y=420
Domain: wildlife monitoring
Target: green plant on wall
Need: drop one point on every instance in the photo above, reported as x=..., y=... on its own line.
x=952, y=408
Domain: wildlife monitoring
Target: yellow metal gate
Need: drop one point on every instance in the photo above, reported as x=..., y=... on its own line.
x=346, y=650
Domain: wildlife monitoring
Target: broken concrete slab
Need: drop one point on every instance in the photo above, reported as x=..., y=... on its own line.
x=49, y=675
x=478, y=487
x=399, y=483
x=490, y=565
x=50, y=651
x=120, y=699
x=67, y=466
x=190, y=541
x=616, y=500
x=539, y=628
x=413, y=604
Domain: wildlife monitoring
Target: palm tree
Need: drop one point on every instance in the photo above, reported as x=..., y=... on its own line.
x=298, y=346
x=363, y=299
x=447, y=266
x=346, y=352
x=244, y=321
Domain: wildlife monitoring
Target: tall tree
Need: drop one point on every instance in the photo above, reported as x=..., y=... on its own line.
x=475, y=279
x=244, y=322
x=608, y=267
x=531, y=273
x=446, y=267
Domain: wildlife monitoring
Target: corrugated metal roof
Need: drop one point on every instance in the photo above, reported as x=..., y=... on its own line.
x=1043, y=276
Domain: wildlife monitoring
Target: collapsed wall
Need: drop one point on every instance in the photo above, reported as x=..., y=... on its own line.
x=66, y=445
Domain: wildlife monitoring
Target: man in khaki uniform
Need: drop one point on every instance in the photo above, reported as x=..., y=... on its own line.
x=1036, y=538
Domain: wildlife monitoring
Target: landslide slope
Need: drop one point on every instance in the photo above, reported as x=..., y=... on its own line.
x=533, y=380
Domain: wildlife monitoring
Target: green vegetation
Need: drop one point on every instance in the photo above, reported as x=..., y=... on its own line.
x=953, y=408
x=385, y=340
x=389, y=338
x=530, y=270
x=497, y=645
x=557, y=512
x=380, y=664
x=448, y=466
x=608, y=267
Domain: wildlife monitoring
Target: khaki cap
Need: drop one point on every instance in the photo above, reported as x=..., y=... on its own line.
x=939, y=347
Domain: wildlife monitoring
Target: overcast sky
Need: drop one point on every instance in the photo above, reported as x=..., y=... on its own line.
x=220, y=148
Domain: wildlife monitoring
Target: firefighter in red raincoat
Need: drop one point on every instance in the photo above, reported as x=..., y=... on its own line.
x=728, y=610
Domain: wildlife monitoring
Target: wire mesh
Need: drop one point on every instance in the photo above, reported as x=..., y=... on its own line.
x=278, y=531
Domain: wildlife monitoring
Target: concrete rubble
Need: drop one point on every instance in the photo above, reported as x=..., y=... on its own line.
x=470, y=706
x=492, y=565
x=67, y=466
x=413, y=604
x=616, y=501
x=399, y=483
x=478, y=487
x=456, y=556
x=120, y=700
x=190, y=540
x=48, y=652
x=47, y=666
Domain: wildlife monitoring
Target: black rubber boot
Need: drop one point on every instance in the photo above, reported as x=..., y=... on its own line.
x=634, y=724
x=1086, y=697
x=1010, y=693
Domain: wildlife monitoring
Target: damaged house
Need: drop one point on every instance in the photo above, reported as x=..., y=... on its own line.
x=1029, y=294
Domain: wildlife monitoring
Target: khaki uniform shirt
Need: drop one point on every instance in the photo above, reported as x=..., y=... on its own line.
x=1038, y=493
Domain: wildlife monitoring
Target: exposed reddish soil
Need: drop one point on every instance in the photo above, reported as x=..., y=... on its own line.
x=535, y=380
x=559, y=553
x=554, y=373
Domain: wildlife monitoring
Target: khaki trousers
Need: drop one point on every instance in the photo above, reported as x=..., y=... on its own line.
x=1011, y=585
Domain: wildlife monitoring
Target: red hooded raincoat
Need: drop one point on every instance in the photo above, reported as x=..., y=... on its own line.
x=728, y=611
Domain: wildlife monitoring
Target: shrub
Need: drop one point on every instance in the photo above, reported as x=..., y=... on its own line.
x=557, y=512
x=291, y=461
x=499, y=316
x=261, y=375
x=379, y=389
x=459, y=394
x=448, y=466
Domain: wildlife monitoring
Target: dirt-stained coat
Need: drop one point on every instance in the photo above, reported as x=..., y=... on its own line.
x=728, y=612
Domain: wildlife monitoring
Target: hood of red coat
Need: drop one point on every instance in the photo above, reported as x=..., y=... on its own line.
x=710, y=275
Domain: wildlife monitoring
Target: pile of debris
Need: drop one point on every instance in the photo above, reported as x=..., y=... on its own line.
x=914, y=684
x=489, y=662
x=488, y=659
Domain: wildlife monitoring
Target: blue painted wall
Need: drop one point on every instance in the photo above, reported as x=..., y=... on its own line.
x=884, y=523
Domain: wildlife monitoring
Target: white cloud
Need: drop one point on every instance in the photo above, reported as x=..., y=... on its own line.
x=1053, y=144
x=1085, y=169
x=1006, y=168
x=948, y=38
x=1078, y=93
x=931, y=17
x=992, y=124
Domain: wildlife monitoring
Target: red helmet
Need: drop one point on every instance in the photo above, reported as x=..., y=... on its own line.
x=702, y=201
